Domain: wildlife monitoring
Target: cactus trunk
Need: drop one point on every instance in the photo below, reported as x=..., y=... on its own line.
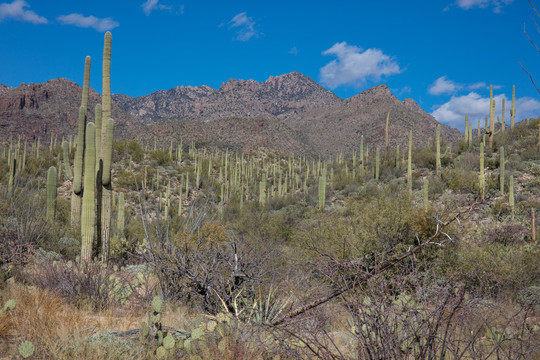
x=51, y=193
x=88, y=216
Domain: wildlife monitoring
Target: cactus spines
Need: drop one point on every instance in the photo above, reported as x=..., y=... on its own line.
x=501, y=168
x=262, y=190
x=491, y=117
x=362, y=153
x=77, y=193
x=511, y=196
x=467, y=129
x=107, y=151
x=106, y=204
x=322, y=190
x=86, y=83
x=121, y=216
x=438, y=146
x=513, y=108
x=88, y=215
x=51, y=193
x=409, y=165
x=67, y=165
x=482, y=179
x=12, y=171
x=99, y=125
x=426, y=194
x=106, y=93
x=377, y=163
x=386, y=131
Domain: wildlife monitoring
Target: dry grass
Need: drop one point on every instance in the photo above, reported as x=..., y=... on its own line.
x=47, y=320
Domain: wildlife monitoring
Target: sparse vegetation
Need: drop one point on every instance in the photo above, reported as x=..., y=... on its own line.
x=221, y=254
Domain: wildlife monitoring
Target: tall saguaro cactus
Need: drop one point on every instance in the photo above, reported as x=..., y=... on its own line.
x=104, y=172
x=51, y=193
x=438, y=146
x=409, y=165
x=106, y=209
x=77, y=193
x=88, y=216
x=482, y=178
x=501, y=167
x=491, y=117
x=513, y=108
x=386, y=140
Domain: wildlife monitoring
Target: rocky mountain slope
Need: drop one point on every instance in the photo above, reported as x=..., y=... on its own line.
x=339, y=128
x=39, y=109
x=289, y=113
x=282, y=96
x=4, y=88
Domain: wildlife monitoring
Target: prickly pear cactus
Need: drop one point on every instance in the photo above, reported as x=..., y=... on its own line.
x=26, y=349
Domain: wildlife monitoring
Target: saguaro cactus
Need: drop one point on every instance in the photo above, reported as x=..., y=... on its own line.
x=467, y=129
x=106, y=209
x=88, y=216
x=501, y=168
x=362, y=161
x=120, y=216
x=511, y=196
x=51, y=193
x=386, y=140
x=482, y=179
x=491, y=117
x=426, y=194
x=77, y=193
x=67, y=165
x=513, y=108
x=377, y=163
x=438, y=146
x=409, y=165
x=104, y=174
x=322, y=189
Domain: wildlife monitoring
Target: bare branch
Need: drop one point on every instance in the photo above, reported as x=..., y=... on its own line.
x=373, y=271
x=530, y=76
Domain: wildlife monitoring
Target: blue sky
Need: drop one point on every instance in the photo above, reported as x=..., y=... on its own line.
x=441, y=53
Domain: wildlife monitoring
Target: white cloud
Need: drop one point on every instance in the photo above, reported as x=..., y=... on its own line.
x=444, y=86
x=449, y=87
x=293, y=51
x=16, y=10
x=150, y=5
x=354, y=66
x=470, y=4
x=477, y=107
x=245, y=27
x=478, y=85
x=93, y=22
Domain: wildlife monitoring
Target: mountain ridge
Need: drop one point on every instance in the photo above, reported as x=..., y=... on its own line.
x=287, y=112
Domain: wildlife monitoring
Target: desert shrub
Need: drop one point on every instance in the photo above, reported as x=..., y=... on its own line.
x=500, y=208
x=161, y=157
x=126, y=179
x=92, y=283
x=99, y=346
x=202, y=264
x=372, y=228
x=124, y=149
x=530, y=296
x=459, y=179
x=495, y=268
x=507, y=234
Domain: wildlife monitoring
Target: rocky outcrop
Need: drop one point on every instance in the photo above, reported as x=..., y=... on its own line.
x=39, y=109
x=282, y=96
x=4, y=88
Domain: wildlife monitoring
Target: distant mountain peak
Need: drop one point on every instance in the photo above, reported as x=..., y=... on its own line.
x=4, y=88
